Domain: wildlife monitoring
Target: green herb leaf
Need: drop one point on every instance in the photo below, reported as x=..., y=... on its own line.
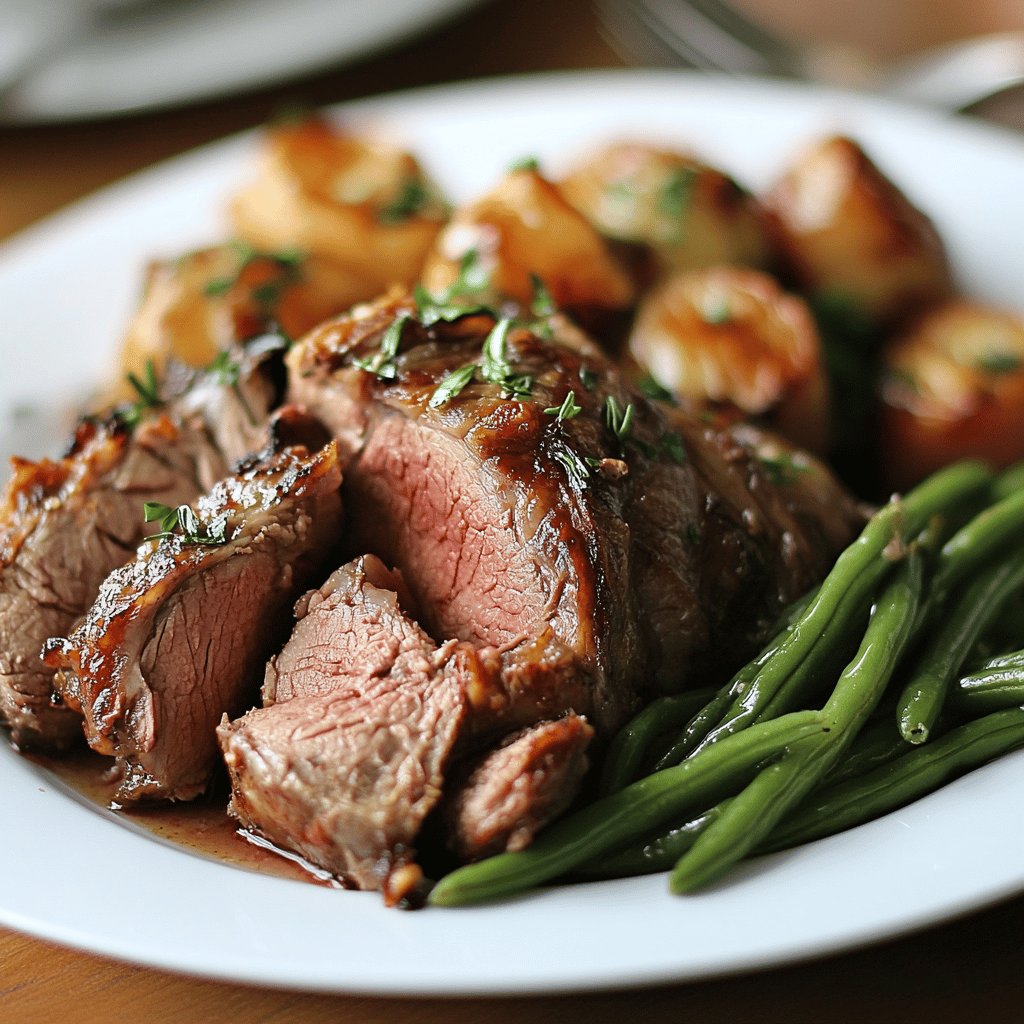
x=650, y=388
x=224, y=369
x=718, y=312
x=452, y=385
x=567, y=410
x=268, y=293
x=576, y=468
x=148, y=391
x=524, y=163
x=382, y=362
x=588, y=378
x=672, y=447
x=182, y=521
x=495, y=366
x=781, y=469
x=618, y=420
x=674, y=198
x=998, y=363
x=412, y=197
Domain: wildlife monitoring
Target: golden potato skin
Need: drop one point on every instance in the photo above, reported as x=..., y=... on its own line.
x=363, y=211
x=195, y=306
x=845, y=228
x=731, y=335
x=525, y=227
x=953, y=387
x=690, y=214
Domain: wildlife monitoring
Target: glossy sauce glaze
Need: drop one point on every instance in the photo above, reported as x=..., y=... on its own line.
x=201, y=826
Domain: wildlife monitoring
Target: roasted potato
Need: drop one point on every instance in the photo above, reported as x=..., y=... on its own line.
x=731, y=335
x=202, y=302
x=688, y=213
x=845, y=229
x=363, y=210
x=523, y=229
x=952, y=387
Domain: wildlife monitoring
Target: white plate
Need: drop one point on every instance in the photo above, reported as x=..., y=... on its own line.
x=174, y=51
x=84, y=879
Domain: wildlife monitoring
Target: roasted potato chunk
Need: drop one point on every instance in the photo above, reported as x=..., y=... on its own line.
x=195, y=306
x=953, y=387
x=846, y=229
x=524, y=229
x=688, y=213
x=363, y=210
x=730, y=335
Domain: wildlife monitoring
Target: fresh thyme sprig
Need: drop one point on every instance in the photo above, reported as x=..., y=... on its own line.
x=567, y=410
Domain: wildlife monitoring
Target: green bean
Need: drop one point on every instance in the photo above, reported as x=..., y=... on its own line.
x=850, y=585
x=904, y=780
x=1010, y=481
x=656, y=854
x=632, y=743
x=925, y=693
x=878, y=744
x=978, y=540
x=753, y=814
x=999, y=683
x=627, y=816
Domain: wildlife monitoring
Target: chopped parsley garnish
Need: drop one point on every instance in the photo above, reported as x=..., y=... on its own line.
x=998, y=363
x=651, y=388
x=618, y=420
x=183, y=522
x=524, y=163
x=674, y=198
x=382, y=362
x=567, y=410
x=411, y=198
x=452, y=385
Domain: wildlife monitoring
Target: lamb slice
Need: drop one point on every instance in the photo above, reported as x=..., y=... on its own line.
x=180, y=635
x=347, y=757
x=509, y=524
x=66, y=523
x=532, y=518
x=507, y=795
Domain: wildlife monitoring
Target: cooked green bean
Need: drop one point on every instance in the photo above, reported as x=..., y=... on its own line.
x=925, y=693
x=1010, y=481
x=978, y=540
x=754, y=813
x=878, y=744
x=631, y=746
x=904, y=780
x=657, y=854
x=627, y=816
x=999, y=683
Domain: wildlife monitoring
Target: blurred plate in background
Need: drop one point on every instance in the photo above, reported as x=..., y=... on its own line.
x=143, y=55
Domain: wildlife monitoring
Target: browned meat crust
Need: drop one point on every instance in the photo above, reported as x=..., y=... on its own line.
x=180, y=635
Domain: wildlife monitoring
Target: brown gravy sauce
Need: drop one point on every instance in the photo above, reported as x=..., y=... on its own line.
x=202, y=826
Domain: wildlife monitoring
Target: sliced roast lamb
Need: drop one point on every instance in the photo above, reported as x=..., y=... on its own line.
x=542, y=510
x=362, y=710
x=65, y=524
x=180, y=635
x=504, y=797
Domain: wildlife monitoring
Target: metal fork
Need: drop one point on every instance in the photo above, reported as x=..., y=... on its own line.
x=712, y=35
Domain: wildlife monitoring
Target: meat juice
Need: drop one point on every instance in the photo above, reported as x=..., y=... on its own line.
x=200, y=826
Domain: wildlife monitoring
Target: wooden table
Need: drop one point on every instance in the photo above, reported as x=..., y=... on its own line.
x=971, y=968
